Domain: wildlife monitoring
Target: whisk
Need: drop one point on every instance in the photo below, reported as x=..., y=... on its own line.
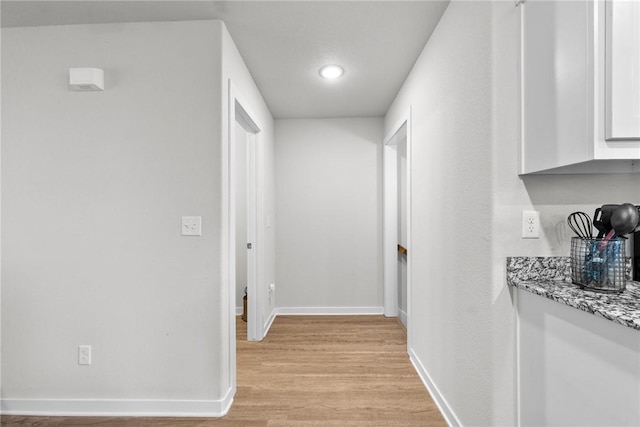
x=580, y=223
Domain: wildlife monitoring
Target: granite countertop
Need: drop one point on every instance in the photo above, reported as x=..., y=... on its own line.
x=550, y=277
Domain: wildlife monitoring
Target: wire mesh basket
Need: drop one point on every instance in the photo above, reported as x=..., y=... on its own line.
x=598, y=265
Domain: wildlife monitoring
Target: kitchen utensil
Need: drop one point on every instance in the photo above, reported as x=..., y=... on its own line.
x=597, y=222
x=602, y=219
x=580, y=223
x=608, y=237
x=624, y=219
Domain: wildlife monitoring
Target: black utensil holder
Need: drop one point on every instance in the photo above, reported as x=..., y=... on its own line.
x=599, y=265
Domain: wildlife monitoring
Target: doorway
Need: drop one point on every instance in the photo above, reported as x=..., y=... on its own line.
x=397, y=223
x=241, y=142
x=401, y=150
x=246, y=249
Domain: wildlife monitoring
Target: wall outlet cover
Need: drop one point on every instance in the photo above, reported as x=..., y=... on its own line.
x=530, y=225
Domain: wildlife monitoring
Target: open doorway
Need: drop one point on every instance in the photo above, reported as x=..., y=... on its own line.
x=242, y=219
x=397, y=223
x=402, y=229
x=246, y=251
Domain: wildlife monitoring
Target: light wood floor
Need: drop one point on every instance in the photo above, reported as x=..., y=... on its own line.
x=309, y=371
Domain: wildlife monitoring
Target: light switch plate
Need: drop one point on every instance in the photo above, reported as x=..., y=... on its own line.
x=192, y=226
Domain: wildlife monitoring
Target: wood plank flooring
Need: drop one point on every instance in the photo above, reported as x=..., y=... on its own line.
x=309, y=371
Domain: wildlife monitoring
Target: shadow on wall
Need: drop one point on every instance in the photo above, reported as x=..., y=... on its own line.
x=583, y=189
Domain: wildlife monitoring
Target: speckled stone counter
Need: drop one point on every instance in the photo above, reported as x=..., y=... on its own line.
x=550, y=277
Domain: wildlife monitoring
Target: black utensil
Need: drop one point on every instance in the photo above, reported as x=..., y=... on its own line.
x=602, y=219
x=580, y=223
x=624, y=220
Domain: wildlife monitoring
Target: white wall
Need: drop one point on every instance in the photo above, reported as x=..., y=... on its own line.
x=451, y=305
x=326, y=192
x=467, y=201
x=93, y=187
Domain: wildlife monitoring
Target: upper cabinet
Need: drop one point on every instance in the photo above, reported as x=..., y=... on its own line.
x=622, y=59
x=580, y=77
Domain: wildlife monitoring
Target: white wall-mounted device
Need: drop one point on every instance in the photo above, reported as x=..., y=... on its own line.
x=192, y=226
x=530, y=224
x=86, y=79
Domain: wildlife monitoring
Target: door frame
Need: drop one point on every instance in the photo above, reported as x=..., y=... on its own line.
x=240, y=112
x=402, y=129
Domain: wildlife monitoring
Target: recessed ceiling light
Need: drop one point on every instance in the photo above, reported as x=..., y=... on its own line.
x=331, y=71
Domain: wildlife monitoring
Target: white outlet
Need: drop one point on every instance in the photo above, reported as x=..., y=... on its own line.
x=192, y=226
x=272, y=287
x=84, y=355
x=530, y=225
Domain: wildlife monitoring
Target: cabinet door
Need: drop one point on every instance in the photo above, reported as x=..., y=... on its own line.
x=622, y=69
x=576, y=369
x=557, y=70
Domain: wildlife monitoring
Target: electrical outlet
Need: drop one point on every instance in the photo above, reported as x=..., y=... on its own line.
x=530, y=225
x=84, y=355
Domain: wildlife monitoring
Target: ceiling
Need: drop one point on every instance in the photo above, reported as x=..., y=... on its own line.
x=284, y=43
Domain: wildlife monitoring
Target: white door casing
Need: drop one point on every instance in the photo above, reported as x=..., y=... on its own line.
x=240, y=112
x=402, y=130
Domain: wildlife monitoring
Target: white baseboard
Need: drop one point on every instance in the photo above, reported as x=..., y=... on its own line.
x=438, y=398
x=329, y=311
x=117, y=407
x=269, y=322
x=238, y=311
x=403, y=317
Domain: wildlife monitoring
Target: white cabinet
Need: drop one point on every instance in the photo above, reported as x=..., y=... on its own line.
x=580, y=77
x=574, y=368
x=622, y=59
